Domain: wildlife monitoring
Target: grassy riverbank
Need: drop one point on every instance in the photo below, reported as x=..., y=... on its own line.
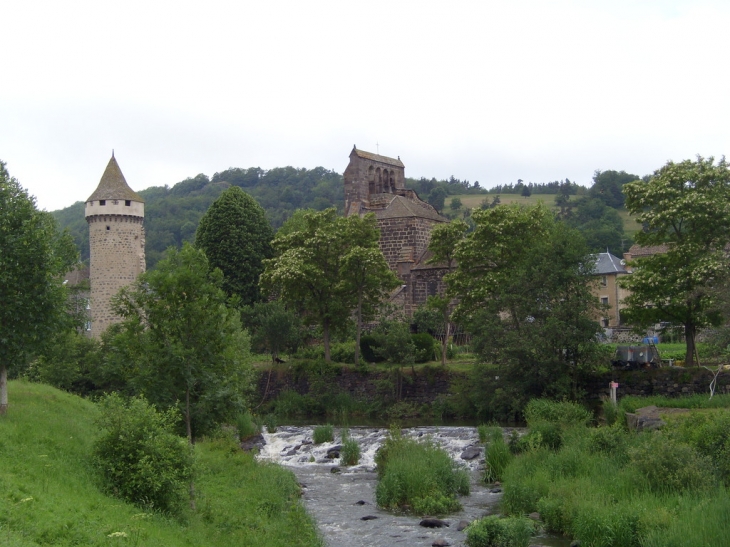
x=608, y=486
x=49, y=494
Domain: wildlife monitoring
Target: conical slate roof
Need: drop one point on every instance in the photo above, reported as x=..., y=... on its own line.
x=113, y=185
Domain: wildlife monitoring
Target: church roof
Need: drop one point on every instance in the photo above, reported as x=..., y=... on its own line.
x=401, y=207
x=377, y=157
x=113, y=185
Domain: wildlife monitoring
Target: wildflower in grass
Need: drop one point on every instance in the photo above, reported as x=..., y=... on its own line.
x=24, y=500
x=117, y=535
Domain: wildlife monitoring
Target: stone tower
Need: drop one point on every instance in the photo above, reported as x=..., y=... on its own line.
x=376, y=184
x=115, y=214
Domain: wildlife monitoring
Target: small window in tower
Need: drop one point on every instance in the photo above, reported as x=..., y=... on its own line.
x=102, y=202
x=128, y=202
x=108, y=227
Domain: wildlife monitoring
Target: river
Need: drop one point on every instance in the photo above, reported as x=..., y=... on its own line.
x=339, y=500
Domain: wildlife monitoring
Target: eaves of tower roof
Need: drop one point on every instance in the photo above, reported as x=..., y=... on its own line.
x=401, y=207
x=113, y=185
x=377, y=157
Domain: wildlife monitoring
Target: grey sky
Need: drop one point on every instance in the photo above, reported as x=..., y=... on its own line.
x=490, y=91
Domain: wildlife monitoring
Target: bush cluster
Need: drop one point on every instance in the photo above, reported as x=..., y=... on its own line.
x=498, y=454
x=374, y=348
x=350, y=452
x=246, y=426
x=418, y=477
x=611, y=487
x=323, y=434
x=494, y=531
x=139, y=457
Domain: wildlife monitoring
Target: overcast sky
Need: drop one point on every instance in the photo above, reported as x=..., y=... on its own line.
x=492, y=91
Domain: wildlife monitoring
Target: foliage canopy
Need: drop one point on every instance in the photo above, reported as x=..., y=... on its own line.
x=685, y=213
x=34, y=256
x=186, y=345
x=236, y=238
x=523, y=284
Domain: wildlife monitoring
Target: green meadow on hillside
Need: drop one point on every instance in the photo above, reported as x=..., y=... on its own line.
x=471, y=201
x=49, y=495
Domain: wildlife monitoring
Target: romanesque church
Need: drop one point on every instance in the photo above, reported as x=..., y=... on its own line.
x=376, y=184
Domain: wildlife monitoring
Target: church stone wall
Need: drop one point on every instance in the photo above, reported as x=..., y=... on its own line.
x=404, y=238
x=117, y=258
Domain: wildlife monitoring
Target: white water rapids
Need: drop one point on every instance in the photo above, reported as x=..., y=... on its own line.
x=339, y=501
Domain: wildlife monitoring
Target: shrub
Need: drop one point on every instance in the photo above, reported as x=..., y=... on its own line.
x=350, y=453
x=541, y=434
x=709, y=433
x=498, y=456
x=563, y=413
x=425, y=345
x=610, y=412
x=670, y=466
x=343, y=352
x=494, y=531
x=610, y=440
x=418, y=476
x=323, y=434
x=488, y=433
x=369, y=344
x=246, y=426
x=139, y=457
x=607, y=526
x=270, y=423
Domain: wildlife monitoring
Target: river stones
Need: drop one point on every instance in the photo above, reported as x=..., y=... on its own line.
x=335, y=470
x=334, y=452
x=462, y=525
x=495, y=491
x=251, y=443
x=433, y=523
x=471, y=452
x=361, y=502
x=369, y=517
x=440, y=542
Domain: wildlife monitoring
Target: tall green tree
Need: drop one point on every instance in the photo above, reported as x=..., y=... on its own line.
x=523, y=284
x=187, y=345
x=608, y=187
x=367, y=277
x=684, y=207
x=236, y=238
x=443, y=243
x=33, y=259
x=329, y=267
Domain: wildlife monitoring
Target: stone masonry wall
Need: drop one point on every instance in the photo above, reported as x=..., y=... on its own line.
x=117, y=258
x=397, y=233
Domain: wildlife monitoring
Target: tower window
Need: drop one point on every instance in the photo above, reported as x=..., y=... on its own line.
x=128, y=202
x=108, y=228
x=102, y=202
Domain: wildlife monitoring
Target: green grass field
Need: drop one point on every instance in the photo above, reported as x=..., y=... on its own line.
x=49, y=495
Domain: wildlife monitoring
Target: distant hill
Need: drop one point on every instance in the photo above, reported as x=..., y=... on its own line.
x=172, y=213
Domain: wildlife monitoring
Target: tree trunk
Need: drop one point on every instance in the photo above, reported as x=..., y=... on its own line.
x=445, y=341
x=359, y=329
x=187, y=416
x=326, y=335
x=3, y=389
x=188, y=424
x=689, y=335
